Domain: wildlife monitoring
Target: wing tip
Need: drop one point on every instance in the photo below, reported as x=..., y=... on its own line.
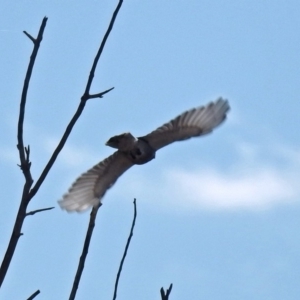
x=222, y=102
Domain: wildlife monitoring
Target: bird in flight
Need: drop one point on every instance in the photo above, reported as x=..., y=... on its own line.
x=89, y=189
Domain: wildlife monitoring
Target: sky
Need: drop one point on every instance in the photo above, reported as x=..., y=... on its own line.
x=219, y=215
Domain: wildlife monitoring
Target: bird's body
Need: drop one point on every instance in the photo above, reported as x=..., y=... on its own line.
x=91, y=186
x=137, y=150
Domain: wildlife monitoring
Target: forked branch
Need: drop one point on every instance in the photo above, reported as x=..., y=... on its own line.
x=165, y=295
x=24, y=153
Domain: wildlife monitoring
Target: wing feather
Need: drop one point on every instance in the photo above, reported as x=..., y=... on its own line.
x=195, y=122
x=91, y=186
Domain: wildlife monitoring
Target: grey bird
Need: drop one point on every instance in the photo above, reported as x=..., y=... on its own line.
x=89, y=189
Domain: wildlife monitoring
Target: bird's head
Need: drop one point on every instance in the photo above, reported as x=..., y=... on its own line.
x=122, y=142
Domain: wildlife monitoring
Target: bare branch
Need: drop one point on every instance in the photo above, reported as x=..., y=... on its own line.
x=31, y=213
x=84, y=98
x=29, y=36
x=125, y=251
x=24, y=153
x=166, y=296
x=24, y=162
x=81, y=106
x=34, y=295
x=110, y=26
x=85, y=251
x=100, y=95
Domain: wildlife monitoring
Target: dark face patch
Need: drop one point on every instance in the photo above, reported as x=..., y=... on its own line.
x=113, y=139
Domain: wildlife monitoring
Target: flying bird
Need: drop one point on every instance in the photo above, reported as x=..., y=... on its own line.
x=89, y=189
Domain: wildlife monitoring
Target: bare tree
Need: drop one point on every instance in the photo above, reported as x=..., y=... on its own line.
x=30, y=190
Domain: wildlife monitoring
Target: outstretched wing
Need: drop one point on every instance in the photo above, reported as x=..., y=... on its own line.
x=91, y=186
x=195, y=122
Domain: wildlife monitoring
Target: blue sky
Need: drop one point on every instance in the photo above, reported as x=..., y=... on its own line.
x=218, y=216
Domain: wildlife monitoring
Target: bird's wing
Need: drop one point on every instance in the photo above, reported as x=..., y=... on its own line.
x=91, y=186
x=195, y=122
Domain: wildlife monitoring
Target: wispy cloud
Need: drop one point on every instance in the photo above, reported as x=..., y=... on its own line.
x=250, y=183
x=257, y=188
x=260, y=177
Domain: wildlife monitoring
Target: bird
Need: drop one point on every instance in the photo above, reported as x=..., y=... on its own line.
x=88, y=190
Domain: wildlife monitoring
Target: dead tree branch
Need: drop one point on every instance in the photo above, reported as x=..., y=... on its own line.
x=125, y=251
x=92, y=72
x=165, y=296
x=84, y=98
x=33, y=212
x=34, y=295
x=84, y=253
x=24, y=153
x=100, y=95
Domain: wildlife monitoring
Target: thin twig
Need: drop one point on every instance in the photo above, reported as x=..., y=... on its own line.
x=24, y=162
x=125, y=251
x=34, y=295
x=110, y=26
x=165, y=296
x=85, y=251
x=100, y=95
x=37, y=41
x=31, y=213
x=29, y=36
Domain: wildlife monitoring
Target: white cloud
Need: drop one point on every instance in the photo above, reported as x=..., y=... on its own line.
x=261, y=177
x=256, y=180
x=256, y=188
x=251, y=183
